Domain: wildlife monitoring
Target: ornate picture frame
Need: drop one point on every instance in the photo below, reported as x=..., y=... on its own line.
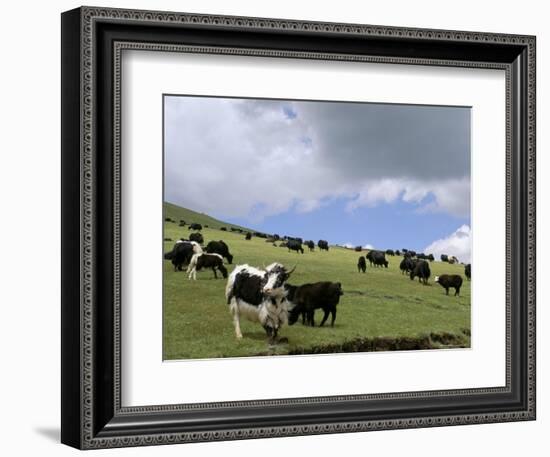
x=93, y=39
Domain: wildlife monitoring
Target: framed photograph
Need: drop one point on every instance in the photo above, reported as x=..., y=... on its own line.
x=269, y=228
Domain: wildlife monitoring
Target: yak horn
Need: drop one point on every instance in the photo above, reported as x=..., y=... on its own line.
x=291, y=271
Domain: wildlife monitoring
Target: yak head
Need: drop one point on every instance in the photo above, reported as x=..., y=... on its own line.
x=294, y=309
x=276, y=275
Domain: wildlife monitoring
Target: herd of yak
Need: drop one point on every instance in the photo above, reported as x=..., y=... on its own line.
x=417, y=266
x=264, y=295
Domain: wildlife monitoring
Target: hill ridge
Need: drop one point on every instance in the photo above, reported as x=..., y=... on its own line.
x=177, y=213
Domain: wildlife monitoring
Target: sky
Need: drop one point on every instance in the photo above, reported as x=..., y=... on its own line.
x=387, y=176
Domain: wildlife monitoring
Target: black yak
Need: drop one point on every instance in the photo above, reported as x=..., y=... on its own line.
x=305, y=299
x=447, y=281
x=294, y=245
x=361, y=264
x=407, y=265
x=377, y=258
x=468, y=271
x=323, y=245
x=197, y=237
x=219, y=247
x=422, y=271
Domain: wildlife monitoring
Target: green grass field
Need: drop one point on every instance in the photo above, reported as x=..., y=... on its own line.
x=381, y=309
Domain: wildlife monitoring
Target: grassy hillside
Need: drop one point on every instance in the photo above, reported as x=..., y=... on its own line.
x=381, y=309
x=177, y=213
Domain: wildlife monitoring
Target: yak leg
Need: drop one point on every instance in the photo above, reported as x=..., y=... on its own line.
x=333, y=317
x=271, y=334
x=446, y=291
x=457, y=291
x=236, y=322
x=214, y=270
x=310, y=318
x=327, y=312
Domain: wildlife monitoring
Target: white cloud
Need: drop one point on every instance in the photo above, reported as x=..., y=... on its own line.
x=352, y=246
x=374, y=192
x=258, y=158
x=450, y=196
x=457, y=243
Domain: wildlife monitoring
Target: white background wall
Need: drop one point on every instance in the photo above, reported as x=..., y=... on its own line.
x=30, y=241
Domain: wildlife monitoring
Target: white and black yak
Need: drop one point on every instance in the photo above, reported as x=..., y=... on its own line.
x=201, y=261
x=182, y=252
x=260, y=296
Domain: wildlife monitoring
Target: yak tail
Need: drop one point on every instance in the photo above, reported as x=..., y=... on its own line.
x=229, y=288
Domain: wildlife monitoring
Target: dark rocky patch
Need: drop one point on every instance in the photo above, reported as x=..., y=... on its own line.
x=432, y=341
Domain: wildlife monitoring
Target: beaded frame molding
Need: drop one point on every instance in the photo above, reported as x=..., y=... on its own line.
x=92, y=42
